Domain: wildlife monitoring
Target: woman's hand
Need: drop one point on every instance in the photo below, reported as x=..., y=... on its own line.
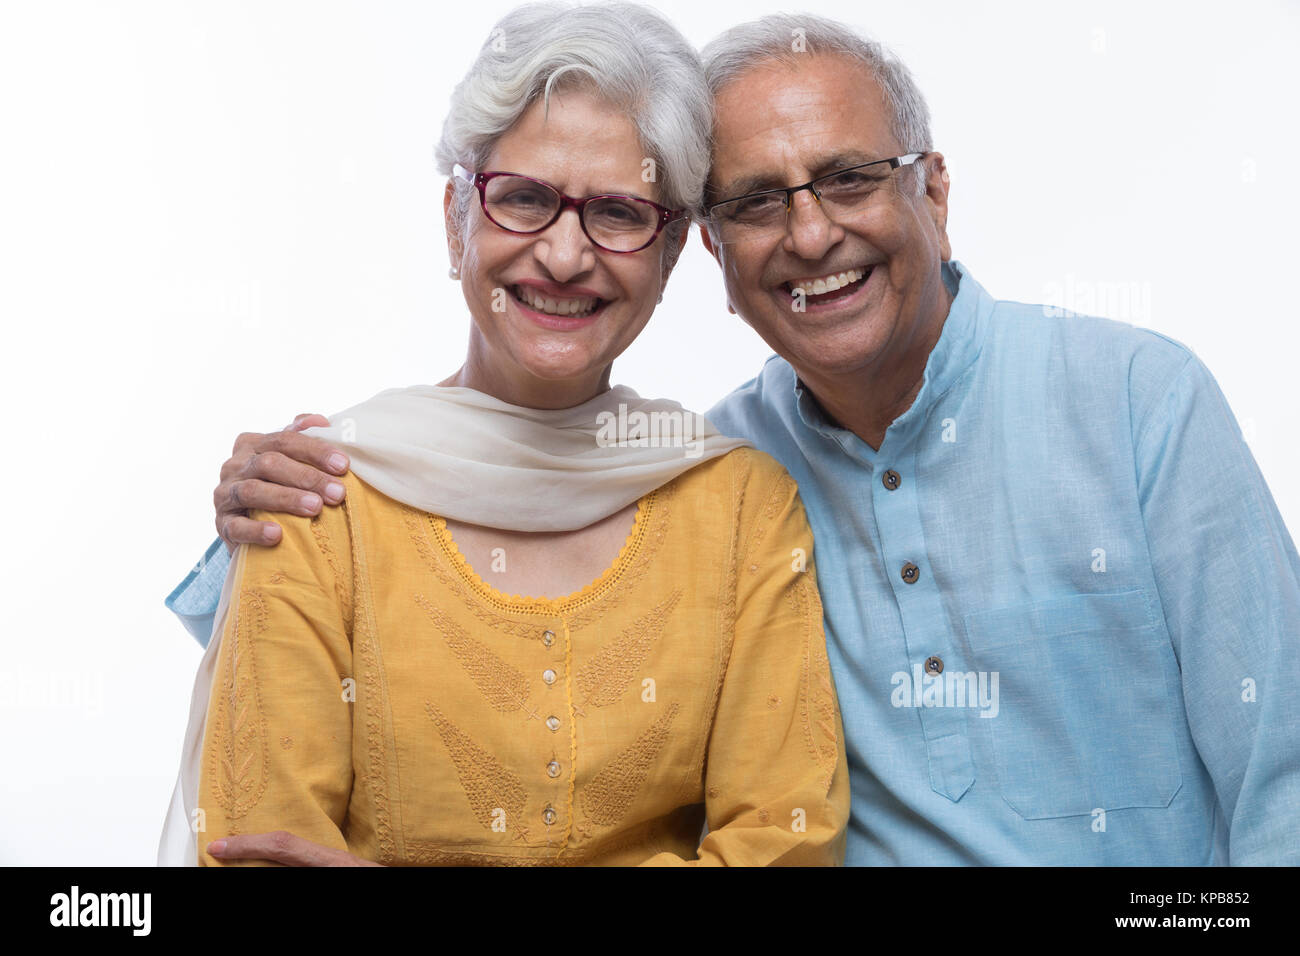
x=280, y=846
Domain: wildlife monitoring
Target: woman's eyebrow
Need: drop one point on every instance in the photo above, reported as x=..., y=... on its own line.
x=630, y=193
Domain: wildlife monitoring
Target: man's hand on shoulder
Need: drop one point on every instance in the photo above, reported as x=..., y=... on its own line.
x=281, y=471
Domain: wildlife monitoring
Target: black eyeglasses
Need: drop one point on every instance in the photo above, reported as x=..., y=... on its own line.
x=525, y=206
x=843, y=191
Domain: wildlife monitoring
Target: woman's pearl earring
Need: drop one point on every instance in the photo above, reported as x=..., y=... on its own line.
x=454, y=272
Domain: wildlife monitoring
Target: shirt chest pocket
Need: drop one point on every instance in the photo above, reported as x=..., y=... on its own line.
x=1088, y=699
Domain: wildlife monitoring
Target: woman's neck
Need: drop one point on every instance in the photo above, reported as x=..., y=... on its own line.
x=517, y=387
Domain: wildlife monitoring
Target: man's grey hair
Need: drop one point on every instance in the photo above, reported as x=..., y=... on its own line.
x=785, y=38
x=628, y=55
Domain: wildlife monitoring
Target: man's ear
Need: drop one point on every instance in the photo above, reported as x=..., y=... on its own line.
x=713, y=251
x=455, y=245
x=708, y=242
x=673, y=251
x=936, y=199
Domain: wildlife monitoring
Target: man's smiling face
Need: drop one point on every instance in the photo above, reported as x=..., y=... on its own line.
x=781, y=125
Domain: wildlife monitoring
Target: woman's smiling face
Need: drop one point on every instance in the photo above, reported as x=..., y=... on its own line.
x=551, y=311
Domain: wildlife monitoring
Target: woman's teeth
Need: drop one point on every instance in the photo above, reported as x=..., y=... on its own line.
x=829, y=283
x=554, y=306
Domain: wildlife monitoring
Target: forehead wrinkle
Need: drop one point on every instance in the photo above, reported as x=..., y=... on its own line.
x=801, y=132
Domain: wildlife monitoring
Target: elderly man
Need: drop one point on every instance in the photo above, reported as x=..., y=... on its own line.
x=1061, y=606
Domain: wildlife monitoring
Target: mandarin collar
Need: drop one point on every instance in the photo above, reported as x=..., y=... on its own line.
x=958, y=346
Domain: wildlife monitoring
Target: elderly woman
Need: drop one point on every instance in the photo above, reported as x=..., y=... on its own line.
x=526, y=637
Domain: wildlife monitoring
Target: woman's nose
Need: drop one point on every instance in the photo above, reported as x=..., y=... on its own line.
x=564, y=249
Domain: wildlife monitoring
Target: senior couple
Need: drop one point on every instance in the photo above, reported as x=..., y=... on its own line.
x=1052, y=617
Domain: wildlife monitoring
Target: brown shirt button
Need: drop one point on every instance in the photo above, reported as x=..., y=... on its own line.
x=911, y=572
x=934, y=665
x=891, y=479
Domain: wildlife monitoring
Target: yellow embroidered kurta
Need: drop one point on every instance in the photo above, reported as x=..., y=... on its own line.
x=374, y=694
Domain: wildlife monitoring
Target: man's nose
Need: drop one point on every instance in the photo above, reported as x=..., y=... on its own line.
x=810, y=233
x=564, y=248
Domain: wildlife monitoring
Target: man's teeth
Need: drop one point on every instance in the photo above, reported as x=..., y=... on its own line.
x=553, y=306
x=824, y=284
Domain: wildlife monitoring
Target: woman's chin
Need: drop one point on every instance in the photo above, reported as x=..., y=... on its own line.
x=563, y=363
x=565, y=374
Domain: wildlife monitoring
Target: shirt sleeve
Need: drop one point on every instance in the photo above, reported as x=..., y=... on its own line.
x=1229, y=582
x=195, y=599
x=277, y=743
x=776, y=778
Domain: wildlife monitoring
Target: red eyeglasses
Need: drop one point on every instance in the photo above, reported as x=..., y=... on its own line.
x=525, y=206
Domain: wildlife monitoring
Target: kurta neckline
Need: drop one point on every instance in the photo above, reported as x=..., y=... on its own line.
x=523, y=603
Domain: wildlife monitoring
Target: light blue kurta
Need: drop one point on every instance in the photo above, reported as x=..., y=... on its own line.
x=1088, y=524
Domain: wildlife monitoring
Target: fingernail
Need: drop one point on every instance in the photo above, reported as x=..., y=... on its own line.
x=271, y=534
x=338, y=462
x=334, y=492
x=310, y=503
x=217, y=847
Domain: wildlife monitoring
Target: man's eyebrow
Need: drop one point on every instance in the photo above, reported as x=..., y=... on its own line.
x=760, y=182
x=842, y=161
x=749, y=184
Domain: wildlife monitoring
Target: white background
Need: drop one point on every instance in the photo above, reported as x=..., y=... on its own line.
x=216, y=215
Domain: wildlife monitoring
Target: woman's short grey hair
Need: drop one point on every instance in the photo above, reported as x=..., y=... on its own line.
x=628, y=55
x=786, y=37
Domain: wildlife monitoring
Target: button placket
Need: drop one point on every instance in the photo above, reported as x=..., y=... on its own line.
x=554, y=766
x=897, y=510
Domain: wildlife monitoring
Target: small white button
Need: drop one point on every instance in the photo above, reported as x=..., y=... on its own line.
x=548, y=675
x=548, y=816
x=553, y=723
x=548, y=638
x=553, y=768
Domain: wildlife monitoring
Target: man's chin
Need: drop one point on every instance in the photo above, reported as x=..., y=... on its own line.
x=835, y=351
